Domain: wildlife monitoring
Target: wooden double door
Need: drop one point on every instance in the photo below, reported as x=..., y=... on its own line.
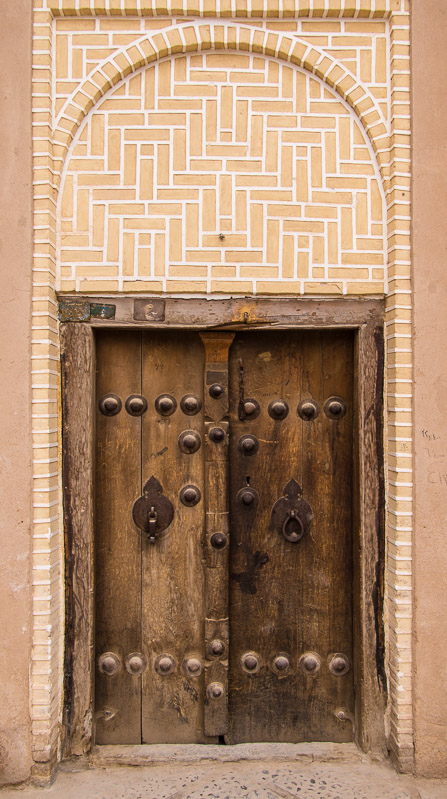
x=223, y=536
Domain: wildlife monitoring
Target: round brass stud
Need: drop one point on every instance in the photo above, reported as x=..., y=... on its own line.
x=190, y=495
x=335, y=408
x=281, y=663
x=109, y=663
x=110, y=404
x=278, y=409
x=248, y=497
x=215, y=690
x=251, y=409
x=165, y=664
x=193, y=667
x=248, y=445
x=136, y=405
x=189, y=441
x=217, y=435
x=310, y=663
x=165, y=404
x=219, y=540
x=339, y=664
x=216, y=647
x=135, y=663
x=251, y=662
x=308, y=410
x=216, y=391
x=190, y=404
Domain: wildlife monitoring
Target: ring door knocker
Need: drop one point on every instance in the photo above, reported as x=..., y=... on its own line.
x=291, y=514
x=153, y=512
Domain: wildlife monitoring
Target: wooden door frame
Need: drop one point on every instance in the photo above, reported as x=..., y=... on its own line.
x=80, y=316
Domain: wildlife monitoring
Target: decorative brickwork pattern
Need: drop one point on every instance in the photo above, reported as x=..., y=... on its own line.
x=222, y=172
x=75, y=76
x=83, y=44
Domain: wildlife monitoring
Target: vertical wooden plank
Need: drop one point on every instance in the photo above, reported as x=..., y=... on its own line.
x=291, y=598
x=369, y=521
x=77, y=374
x=118, y=542
x=217, y=530
x=172, y=567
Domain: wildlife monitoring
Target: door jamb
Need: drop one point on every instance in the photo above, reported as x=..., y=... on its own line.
x=79, y=316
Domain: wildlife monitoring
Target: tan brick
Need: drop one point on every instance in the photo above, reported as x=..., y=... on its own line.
x=304, y=226
x=75, y=240
x=284, y=211
x=318, y=250
x=241, y=210
x=244, y=256
x=271, y=151
x=361, y=215
x=323, y=288
x=209, y=210
x=256, y=225
x=149, y=88
x=175, y=239
x=190, y=286
x=290, y=121
x=288, y=256
x=130, y=164
x=146, y=179
x=98, y=225
x=114, y=150
x=67, y=198
x=256, y=91
x=241, y=120
x=97, y=134
x=233, y=287
x=256, y=138
x=128, y=254
x=286, y=165
x=257, y=272
x=61, y=56
x=244, y=166
x=98, y=179
x=81, y=255
x=192, y=225
x=272, y=240
x=144, y=224
x=209, y=256
x=159, y=254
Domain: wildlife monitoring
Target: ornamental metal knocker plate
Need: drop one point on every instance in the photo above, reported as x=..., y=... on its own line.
x=153, y=512
x=291, y=514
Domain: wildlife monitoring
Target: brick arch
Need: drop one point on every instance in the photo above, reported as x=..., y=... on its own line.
x=202, y=37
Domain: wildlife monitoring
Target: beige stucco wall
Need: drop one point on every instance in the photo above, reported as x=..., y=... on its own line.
x=15, y=430
x=429, y=32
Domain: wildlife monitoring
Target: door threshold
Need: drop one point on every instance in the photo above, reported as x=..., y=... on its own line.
x=156, y=754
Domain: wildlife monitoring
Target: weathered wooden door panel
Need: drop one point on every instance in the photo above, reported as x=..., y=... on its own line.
x=263, y=596
x=117, y=541
x=288, y=599
x=172, y=569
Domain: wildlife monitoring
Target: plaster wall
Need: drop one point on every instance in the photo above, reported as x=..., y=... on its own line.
x=429, y=99
x=15, y=385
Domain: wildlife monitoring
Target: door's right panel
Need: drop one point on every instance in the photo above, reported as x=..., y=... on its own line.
x=291, y=601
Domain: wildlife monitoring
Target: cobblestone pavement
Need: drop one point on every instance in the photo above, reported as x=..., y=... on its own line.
x=354, y=777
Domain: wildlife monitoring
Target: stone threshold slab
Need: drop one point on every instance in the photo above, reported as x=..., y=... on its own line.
x=156, y=754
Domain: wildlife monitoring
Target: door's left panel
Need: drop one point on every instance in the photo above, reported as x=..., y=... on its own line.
x=117, y=542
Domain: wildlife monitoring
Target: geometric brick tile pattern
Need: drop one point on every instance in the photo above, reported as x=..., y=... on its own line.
x=221, y=172
x=359, y=45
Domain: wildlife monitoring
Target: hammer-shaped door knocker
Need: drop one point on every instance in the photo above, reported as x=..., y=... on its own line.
x=153, y=512
x=291, y=514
